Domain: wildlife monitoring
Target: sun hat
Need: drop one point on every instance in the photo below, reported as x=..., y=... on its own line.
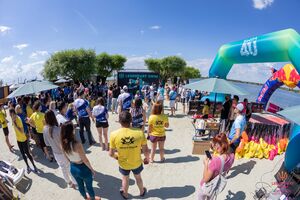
x=240, y=107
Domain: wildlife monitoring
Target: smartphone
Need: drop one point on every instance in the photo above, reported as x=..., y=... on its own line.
x=208, y=155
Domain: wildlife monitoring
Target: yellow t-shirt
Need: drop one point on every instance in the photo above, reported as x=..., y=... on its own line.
x=205, y=110
x=20, y=135
x=158, y=124
x=38, y=119
x=29, y=111
x=128, y=143
x=3, y=118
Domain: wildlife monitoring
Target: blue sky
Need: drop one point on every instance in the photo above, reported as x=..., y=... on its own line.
x=33, y=29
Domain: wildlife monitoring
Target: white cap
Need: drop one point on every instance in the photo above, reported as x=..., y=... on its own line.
x=151, y=87
x=240, y=107
x=125, y=87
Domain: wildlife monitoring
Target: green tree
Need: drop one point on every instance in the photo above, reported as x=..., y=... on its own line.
x=106, y=64
x=168, y=67
x=78, y=64
x=189, y=73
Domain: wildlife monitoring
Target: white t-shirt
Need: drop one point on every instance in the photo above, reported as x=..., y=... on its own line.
x=61, y=119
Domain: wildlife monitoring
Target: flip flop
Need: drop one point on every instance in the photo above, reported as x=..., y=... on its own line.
x=122, y=194
x=144, y=193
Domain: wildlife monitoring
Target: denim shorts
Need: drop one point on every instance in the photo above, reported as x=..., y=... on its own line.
x=136, y=171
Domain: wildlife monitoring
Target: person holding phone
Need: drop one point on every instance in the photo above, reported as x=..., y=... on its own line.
x=213, y=165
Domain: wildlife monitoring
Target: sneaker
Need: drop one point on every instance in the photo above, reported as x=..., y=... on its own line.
x=92, y=143
x=28, y=170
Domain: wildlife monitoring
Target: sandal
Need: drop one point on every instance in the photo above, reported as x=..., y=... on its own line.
x=144, y=193
x=122, y=194
x=163, y=160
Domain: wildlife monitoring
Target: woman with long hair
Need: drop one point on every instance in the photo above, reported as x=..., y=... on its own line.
x=21, y=139
x=206, y=109
x=213, y=166
x=156, y=132
x=80, y=166
x=100, y=113
x=51, y=135
x=138, y=114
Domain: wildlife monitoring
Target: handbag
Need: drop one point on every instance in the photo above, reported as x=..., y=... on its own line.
x=217, y=184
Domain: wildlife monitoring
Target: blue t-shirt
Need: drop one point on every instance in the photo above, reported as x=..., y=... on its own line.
x=81, y=105
x=173, y=95
x=100, y=113
x=126, y=100
x=70, y=114
x=239, y=122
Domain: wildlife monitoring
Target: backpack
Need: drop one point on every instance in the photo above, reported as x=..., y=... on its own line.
x=217, y=184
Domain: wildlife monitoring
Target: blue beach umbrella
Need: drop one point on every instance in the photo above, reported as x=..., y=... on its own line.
x=217, y=86
x=32, y=88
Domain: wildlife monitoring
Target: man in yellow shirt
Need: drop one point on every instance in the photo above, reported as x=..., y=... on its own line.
x=3, y=124
x=125, y=146
x=21, y=139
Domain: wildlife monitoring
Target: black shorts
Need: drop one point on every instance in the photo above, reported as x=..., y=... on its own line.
x=183, y=100
x=136, y=171
x=5, y=131
x=101, y=124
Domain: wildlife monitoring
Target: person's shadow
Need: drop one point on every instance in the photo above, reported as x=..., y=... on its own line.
x=168, y=151
x=235, y=196
x=183, y=159
x=244, y=168
x=108, y=186
x=52, y=178
x=171, y=192
x=24, y=185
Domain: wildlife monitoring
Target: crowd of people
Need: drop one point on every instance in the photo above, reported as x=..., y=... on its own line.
x=51, y=120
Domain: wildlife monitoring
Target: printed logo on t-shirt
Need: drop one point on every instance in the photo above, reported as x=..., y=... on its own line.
x=128, y=140
x=159, y=123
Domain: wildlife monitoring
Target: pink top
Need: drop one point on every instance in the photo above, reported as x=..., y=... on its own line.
x=215, y=165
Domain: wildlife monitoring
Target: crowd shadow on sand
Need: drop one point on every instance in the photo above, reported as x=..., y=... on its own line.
x=236, y=196
x=244, y=168
x=53, y=178
x=170, y=192
x=183, y=159
x=168, y=151
x=109, y=186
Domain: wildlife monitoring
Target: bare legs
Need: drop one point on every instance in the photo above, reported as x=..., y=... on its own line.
x=104, y=131
x=161, y=145
x=139, y=182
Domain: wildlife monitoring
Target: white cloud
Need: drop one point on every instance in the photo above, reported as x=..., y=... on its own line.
x=155, y=27
x=136, y=62
x=38, y=54
x=7, y=60
x=256, y=72
x=203, y=64
x=20, y=71
x=262, y=4
x=21, y=46
x=4, y=29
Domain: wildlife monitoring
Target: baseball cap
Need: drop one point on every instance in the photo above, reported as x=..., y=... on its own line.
x=240, y=107
x=125, y=87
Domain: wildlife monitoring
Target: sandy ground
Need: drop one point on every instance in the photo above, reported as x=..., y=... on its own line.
x=177, y=178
